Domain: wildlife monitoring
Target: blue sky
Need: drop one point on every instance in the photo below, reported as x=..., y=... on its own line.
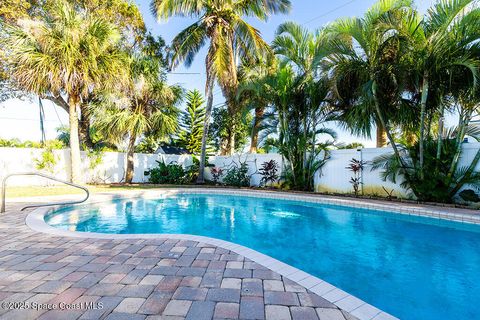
x=19, y=119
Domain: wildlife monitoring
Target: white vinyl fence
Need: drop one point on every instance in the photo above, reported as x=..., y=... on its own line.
x=334, y=176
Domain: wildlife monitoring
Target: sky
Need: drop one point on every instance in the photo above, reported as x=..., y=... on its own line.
x=20, y=119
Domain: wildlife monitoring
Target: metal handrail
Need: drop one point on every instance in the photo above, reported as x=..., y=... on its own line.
x=4, y=189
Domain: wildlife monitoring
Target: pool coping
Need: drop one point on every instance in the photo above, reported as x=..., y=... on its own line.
x=345, y=301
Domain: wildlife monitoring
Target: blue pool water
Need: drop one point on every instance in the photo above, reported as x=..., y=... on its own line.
x=411, y=267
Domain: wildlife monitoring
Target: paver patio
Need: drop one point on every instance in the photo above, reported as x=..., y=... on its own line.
x=141, y=279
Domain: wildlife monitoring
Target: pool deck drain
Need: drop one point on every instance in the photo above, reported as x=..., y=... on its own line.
x=165, y=276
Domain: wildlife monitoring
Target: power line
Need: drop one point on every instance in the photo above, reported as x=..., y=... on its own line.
x=24, y=119
x=329, y=12
x=58, y=117
x=186, y=73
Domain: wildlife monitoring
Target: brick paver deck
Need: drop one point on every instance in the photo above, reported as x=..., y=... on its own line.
x=141, y=279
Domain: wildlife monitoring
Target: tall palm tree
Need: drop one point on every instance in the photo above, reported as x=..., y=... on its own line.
x=146, y=106
x=69, y=53
x=444, y=43
x=298, y=119
x=222, y=24
x=360, y=50
x=252, y=74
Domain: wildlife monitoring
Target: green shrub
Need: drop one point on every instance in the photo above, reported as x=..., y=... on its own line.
x=469, y=195
x=17, y=143
x=47, y=160
x=172, y=173
x=237, y=176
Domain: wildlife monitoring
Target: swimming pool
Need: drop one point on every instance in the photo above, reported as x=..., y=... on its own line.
x=411, y=267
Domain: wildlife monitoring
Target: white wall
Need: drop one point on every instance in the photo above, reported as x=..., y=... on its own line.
x=334, y=177
x=112, y=168
x=254, y=162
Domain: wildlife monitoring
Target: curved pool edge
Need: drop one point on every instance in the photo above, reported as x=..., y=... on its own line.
x=353, y=305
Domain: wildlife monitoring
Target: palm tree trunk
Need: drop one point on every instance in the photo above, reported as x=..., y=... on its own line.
x=423, y=110
x=381, y=135
x=440, y=132
x=224, y=146
x=75, y=161
x=206, y=124
x=231, y=140
x=461, y=135
x=259, y=112
x=84, y=129
x=392, y=142
x=130, y=159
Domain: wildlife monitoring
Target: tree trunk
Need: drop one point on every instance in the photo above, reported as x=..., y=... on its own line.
x=460, y=136
x=75, y=161
x=440, y=132
x=231, y=140
x=130, y=159
x=84, y=129
x=206, y=124
x=423, y=110
x=259, y=112
x=224, y=146
x=381, y=135
x=392, y=141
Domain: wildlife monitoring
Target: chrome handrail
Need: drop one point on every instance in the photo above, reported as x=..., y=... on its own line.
x=4, y=189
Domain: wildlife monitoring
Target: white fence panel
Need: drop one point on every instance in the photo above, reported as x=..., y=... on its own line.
x=334, y=176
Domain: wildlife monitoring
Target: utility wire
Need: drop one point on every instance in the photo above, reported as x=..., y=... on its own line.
x=25, y=119
x=58, y=117
x=329, y=12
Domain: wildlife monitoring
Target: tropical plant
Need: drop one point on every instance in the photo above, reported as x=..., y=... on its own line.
x=222, y=24
x=172, y=173
x=192, y=122
x=251, y=74
x=297, y=94
x=222, y=126
x=17, y=143
x=148, y=144
x=446, y=64
x=217, y=173
x=147, y=106
x=435, y=184
x=356, y=167
x=352, y=145
x=366, y=63
x=270, y=145
x=237, y=176
x=47, y=160
x=95, y=159
x=269, y=171
x=41, y=65
x=469, y=195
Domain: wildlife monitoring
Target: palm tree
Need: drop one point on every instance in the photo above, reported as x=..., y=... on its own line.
x=360, y=50
x=146, y=106
x=68, y=53
x=222, y=24
x=444, y=43
x=250, y=75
